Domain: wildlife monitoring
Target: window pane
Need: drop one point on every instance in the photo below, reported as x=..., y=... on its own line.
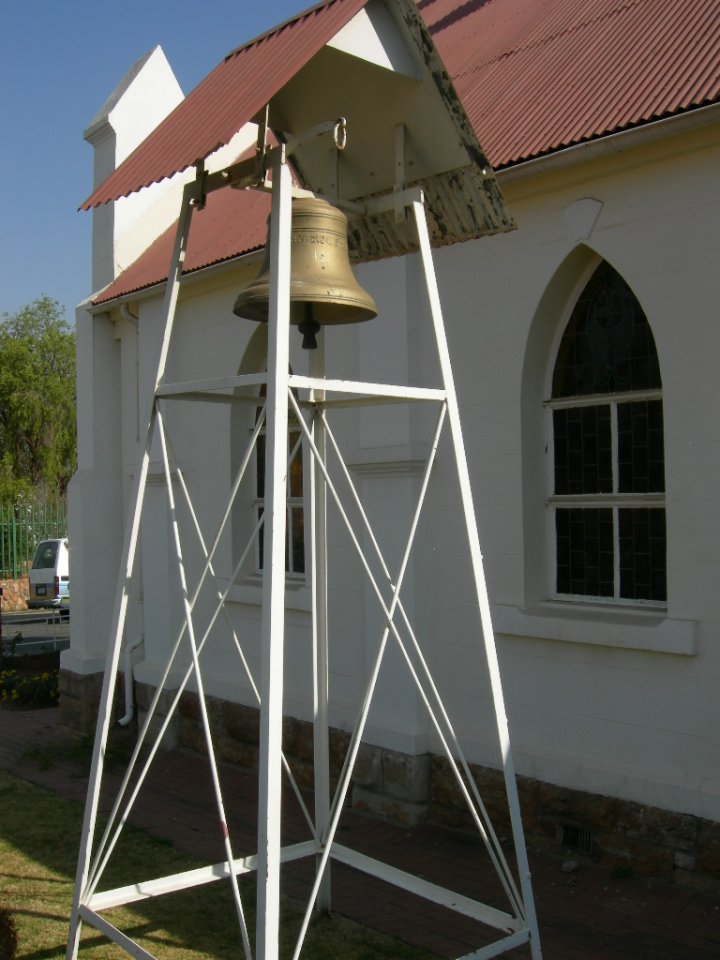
x=607, y=345
x=297, y=531
x=45, y=555
x=640, y=447
x=295, y=478
x=583, y=450
x=260, y=465
x=642, y=554
x=584, y=552
x=261, y=541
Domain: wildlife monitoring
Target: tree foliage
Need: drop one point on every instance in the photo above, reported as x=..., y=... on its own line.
x=38, y=439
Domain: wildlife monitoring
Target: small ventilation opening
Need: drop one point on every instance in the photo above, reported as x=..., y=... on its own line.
x=575, y=837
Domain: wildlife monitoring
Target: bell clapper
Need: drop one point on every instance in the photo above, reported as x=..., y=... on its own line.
x=308, y=327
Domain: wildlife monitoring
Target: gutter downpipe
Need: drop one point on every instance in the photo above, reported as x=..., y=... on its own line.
x=124, y=721
x=126, y=314
x=129, y=699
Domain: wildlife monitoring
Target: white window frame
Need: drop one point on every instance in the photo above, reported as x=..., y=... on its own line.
x=614, y=501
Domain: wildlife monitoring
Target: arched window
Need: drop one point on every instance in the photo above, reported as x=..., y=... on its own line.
x=295, y=538
x=250, y=501
x=607, y=502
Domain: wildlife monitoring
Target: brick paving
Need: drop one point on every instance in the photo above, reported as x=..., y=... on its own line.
x=585, y=915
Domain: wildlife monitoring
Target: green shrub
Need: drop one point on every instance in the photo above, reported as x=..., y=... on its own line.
x=19, y=689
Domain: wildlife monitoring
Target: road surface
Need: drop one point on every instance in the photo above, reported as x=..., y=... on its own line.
x=34, y=631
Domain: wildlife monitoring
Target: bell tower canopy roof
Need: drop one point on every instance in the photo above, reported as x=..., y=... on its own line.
x=372, y=62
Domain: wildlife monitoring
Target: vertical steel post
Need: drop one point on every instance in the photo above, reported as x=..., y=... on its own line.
x=319, y=587
x=479, y=575
x=121, y=595
x=273, y=590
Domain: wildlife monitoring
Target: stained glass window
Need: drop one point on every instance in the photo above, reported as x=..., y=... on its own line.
x=583, y=450
x=608, y=453
x=607, y=346
x=585, y=562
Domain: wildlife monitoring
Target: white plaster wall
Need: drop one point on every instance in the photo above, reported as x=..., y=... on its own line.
x=209, y=341
x=591, y=710
x=592, y=701
x=122, y=230
x=388, y=473
x=95, y=493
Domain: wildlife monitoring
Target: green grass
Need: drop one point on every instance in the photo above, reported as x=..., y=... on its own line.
x=39, y=836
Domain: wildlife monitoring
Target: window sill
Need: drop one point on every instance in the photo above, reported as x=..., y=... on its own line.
x=627, y=628
x=249, y=591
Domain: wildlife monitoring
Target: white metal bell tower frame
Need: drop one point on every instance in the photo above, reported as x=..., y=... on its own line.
x=515, y=926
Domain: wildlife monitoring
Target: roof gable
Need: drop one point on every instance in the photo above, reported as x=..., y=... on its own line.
x=222, y=103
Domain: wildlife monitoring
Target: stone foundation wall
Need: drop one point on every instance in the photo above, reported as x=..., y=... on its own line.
x=629, y=837
x=385, y=782
x=80, y=700
x=16, y=594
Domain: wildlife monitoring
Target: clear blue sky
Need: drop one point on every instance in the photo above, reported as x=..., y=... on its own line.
x=59, y=61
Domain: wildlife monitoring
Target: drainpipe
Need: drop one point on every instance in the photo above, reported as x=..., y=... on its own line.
x=126, y=314
x=129, y=700
x=130, y=317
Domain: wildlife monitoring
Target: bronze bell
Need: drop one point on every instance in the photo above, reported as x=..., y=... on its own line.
x=323, y=288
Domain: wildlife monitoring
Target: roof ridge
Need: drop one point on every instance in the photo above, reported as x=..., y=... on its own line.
x=261, y=37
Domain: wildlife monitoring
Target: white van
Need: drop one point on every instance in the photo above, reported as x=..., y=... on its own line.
x=50, y=575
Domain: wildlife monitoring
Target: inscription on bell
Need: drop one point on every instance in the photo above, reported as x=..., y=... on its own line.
x=320, y=238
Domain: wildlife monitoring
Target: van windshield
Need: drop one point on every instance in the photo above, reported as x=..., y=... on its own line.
x=45, y=555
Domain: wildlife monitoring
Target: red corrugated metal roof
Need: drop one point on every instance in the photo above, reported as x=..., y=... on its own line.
x=232, y=221
x=535, y=76
x=226, y=99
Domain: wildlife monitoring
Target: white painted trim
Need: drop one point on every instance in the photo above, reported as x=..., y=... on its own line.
x=372, y=35
x=297, y=593
x=599, y=626
x=82, y=666
x=388, y=469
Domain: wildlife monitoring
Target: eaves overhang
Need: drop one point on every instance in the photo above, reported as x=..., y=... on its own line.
x=134, y=285
x=611, y=144
x=102, y=302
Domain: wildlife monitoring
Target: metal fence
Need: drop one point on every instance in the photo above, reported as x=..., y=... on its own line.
x=22, y=528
